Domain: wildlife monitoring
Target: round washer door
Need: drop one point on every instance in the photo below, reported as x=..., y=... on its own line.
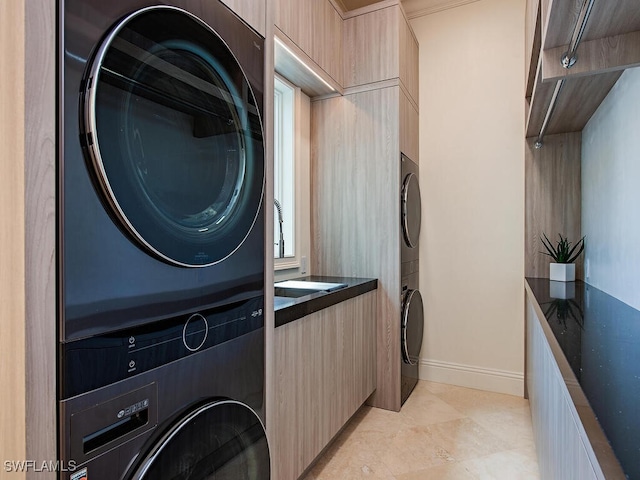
x=411, y=210
x=174, y=136
x=223, y=440
x=412, y=327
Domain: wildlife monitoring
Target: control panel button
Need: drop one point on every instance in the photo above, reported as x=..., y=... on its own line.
x=195, y=332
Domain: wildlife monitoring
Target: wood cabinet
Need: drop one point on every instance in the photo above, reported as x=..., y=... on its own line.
x=254, y=12
x=560, y=101
x=324, y=371
x=560, y=412
x=610, y=44
x=315, y=26
x=355, y=223
x=27, y=247
x=553, y=194
x=356, y=143
x=382, y=46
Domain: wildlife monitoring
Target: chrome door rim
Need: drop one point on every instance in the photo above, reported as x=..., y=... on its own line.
x=89, y=132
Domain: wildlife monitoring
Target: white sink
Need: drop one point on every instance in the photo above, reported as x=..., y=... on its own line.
x=307, y=285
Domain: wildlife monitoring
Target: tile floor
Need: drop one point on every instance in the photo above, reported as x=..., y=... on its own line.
x=442, y=432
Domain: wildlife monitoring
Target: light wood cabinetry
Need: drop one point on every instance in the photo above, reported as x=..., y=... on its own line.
x=560, y=412
x=315, y=26
x=324, y=370
x=382, y=47
x=27, y=253
x=254, y=12
x=552, y=198
x=355, y=207
x=409, y=127
x=610, y=44
x=356, y=144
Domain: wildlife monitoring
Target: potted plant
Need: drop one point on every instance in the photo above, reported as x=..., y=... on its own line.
x=563, y=254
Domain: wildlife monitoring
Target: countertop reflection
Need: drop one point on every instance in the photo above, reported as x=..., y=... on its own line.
x=600, y=337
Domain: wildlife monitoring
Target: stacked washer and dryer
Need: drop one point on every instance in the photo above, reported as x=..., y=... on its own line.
x=161, y=241
x=412, y=313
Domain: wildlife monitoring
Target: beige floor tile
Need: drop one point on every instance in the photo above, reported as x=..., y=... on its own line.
x=349, y=462
x=513, y=425
x=465, y=439
x=508, y=465
x=414, y=449
x=454, y=471
x=442, y=432
x=375, y=427
x=424, y=408
x=470, y=401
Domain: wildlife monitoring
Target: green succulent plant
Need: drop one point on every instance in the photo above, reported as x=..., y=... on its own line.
x=563, y=252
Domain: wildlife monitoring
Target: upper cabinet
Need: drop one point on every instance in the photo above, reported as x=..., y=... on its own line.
x=564, y=99
x=251, y=11
x=382, y=46
x=315, y=27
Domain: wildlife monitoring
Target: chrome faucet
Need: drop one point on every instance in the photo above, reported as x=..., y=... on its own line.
x=280, y=220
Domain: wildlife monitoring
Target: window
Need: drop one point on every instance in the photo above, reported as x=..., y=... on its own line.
x=292, y=184
x=284, y=174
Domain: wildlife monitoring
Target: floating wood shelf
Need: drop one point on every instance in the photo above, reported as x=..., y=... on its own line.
x=610, y=44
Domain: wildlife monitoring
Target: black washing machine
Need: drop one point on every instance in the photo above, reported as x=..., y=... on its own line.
x=412, y=313
x=173, y=400
x=161, y=240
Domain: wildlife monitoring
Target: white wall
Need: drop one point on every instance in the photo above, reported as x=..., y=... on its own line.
x=611, y=192
x=472, y=182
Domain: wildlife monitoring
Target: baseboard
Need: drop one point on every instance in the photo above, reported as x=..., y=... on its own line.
x=493, y=380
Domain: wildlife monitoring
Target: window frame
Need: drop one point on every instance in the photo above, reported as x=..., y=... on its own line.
x=286, y=118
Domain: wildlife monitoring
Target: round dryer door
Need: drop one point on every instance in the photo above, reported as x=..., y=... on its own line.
x=412, y=327
x=174, y=136
x=411, y=210
x=222, y=440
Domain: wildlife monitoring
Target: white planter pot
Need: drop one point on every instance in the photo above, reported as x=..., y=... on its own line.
x=562, y=272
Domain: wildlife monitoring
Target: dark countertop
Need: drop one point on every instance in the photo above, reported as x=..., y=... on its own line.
x=290, y=309
x=600, y=337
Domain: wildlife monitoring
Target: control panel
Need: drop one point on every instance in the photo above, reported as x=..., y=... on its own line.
x=97, y=361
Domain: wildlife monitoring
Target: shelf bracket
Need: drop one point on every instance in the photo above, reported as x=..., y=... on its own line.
x=568, y=60
x=570, y=57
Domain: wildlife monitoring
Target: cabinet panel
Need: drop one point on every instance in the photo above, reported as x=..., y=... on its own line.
x=552, y=198
x=326, y=41
x=373, y=42
x=325, y=370
x=409, y=61
x=355, y=219
x=409, y=128
x=562, y=451
x=251, y=11
x=315, y=26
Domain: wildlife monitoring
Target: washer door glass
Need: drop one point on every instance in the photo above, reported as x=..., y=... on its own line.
x=174, y=136
x=412, y=327
x=222, y=440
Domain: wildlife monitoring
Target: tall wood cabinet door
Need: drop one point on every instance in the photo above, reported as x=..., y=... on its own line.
x=294, y=18
x=346, y=219
x=326, y=40
x=409, y=129
x=316, y=27
x=373, y=44
x=408, y=59
x=254, y=12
